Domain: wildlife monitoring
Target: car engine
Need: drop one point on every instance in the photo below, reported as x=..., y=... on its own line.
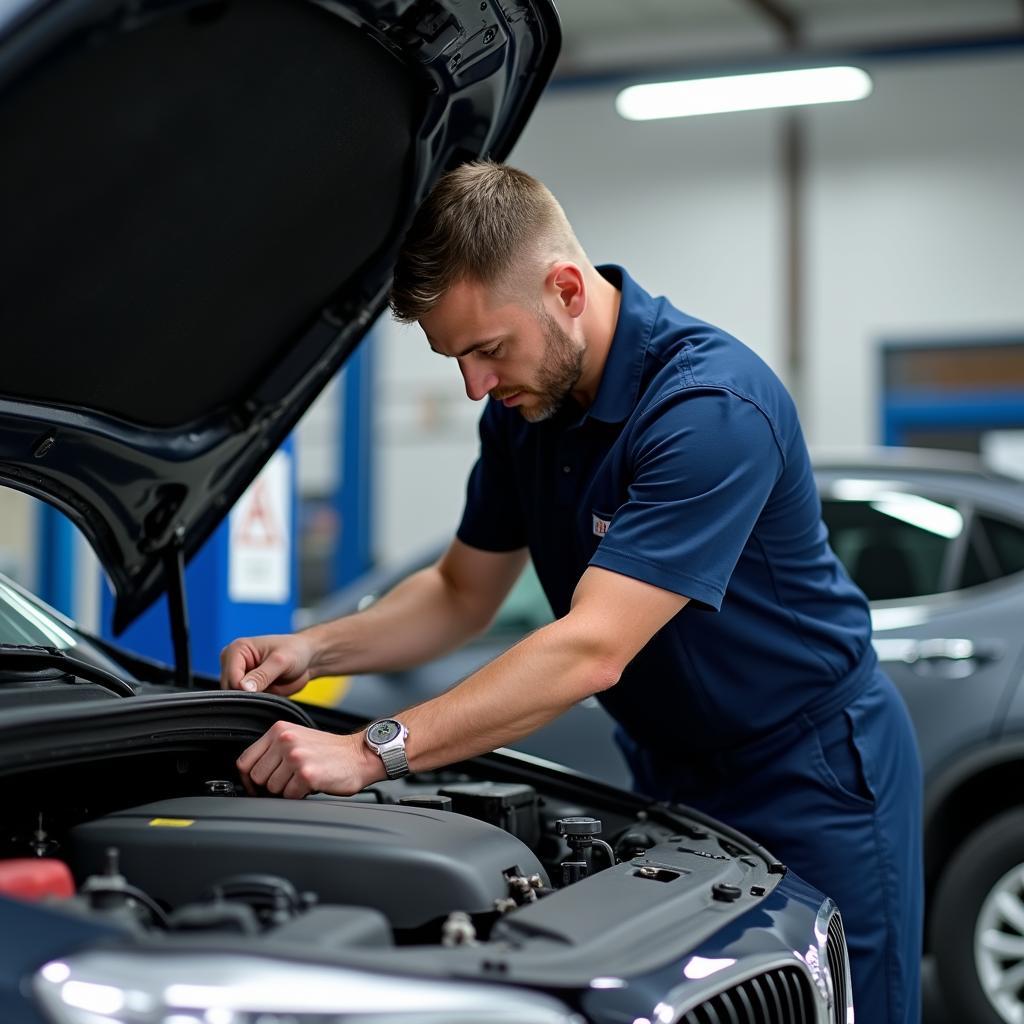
x=439, y=859
x=412, y=864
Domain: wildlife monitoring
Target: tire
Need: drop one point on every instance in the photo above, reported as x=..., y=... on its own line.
x=977, y=924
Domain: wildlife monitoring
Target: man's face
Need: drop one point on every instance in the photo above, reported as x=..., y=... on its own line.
x=522, y=357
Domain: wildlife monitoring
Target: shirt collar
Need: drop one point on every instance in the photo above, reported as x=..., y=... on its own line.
x=623, y=369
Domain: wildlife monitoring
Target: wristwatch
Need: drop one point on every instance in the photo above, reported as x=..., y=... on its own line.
x=386, y=737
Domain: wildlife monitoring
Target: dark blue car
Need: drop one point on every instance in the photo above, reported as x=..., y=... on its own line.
x=142, y=886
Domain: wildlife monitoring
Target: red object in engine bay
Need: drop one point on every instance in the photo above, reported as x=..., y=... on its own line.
x=30, y=878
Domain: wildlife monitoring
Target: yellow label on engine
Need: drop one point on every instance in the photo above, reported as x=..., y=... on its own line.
x=171, y=822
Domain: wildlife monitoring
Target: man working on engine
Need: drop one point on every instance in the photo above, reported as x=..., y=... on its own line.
x=654, y=469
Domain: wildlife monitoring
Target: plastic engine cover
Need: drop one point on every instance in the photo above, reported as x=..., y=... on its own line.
x=411, y=863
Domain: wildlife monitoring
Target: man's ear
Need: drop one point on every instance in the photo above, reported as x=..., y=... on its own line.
x=566, y=283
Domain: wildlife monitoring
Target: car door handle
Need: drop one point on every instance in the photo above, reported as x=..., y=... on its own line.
x=948, y=657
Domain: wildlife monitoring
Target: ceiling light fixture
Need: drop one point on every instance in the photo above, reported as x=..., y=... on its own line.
x=743, y=92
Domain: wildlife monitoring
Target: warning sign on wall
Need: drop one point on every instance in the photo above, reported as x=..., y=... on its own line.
x=259, y=554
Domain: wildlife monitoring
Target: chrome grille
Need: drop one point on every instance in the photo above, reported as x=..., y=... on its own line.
x=835, y=949
x=780, y=996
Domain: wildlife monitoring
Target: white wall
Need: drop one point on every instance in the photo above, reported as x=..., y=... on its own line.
x=425, y=443
x=914, y=226
x=17, y=536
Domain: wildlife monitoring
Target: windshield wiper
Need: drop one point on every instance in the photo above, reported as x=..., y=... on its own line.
x=31, y=658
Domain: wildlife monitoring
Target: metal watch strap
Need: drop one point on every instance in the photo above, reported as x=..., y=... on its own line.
x=396, y=764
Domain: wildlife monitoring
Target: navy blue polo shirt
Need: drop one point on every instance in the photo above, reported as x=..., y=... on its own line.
x=689, y=472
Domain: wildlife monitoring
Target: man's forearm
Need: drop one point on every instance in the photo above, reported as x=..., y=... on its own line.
x=421, y=618
x=611, y=618
x=524, y=688
x=518, y=692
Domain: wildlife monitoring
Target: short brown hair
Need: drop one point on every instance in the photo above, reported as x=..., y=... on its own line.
x=482, y=221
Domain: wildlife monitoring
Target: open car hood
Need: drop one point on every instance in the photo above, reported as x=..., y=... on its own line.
x=201, y=207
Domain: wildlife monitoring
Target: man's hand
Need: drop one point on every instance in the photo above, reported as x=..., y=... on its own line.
x=275, y=664
x=293, y=761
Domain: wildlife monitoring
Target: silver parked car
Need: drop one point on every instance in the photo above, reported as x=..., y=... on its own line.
x=937, y=543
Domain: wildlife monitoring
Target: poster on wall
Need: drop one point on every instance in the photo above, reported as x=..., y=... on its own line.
x=259, y=553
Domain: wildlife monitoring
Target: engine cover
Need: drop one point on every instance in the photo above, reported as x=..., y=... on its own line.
x=411, y=863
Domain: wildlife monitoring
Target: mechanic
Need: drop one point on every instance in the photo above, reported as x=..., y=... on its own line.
x=654, y=469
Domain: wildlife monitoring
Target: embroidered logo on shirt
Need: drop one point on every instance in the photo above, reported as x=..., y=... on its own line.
x=601, y=526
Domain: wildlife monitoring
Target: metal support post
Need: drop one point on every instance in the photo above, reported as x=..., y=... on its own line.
x=353, y=498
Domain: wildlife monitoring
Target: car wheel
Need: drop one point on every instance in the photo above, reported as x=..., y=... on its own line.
x=978, y=924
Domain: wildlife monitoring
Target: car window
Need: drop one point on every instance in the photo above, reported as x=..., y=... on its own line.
x=980, y=563
x=894, y=546
x=1005, y=543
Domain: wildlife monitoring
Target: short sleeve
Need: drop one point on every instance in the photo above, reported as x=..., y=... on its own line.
x=492, y=519
x=704, y=465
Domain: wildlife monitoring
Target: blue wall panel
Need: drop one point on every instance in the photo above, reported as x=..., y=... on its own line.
x=949, y=410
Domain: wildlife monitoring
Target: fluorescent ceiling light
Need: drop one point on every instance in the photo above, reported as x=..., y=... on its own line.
x=743, y=92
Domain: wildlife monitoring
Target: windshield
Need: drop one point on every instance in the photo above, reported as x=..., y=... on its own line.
x=26, y=623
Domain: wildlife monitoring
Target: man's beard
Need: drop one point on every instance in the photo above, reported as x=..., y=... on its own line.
x=557, y=375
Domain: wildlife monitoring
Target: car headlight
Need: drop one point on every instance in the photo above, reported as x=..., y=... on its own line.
x=142, y=988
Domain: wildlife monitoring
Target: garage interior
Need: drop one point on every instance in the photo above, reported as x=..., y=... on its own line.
x=870, y=252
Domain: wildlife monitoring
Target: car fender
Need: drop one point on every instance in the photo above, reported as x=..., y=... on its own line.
x=977, y=785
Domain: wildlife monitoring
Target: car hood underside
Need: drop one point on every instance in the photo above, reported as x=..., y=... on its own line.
x=202, y=207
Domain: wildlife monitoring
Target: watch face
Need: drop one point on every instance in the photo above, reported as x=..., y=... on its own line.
x=384, y=731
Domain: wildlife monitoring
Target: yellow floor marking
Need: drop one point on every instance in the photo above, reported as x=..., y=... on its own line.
x=323, y=692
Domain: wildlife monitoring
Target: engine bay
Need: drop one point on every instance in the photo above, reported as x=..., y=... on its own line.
x=490, y=858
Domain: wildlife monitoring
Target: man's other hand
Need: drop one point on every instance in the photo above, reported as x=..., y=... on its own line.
x=293, y=761
x=271, y=664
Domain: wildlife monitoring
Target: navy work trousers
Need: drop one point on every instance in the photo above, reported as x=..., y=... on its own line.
x=838, y=800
